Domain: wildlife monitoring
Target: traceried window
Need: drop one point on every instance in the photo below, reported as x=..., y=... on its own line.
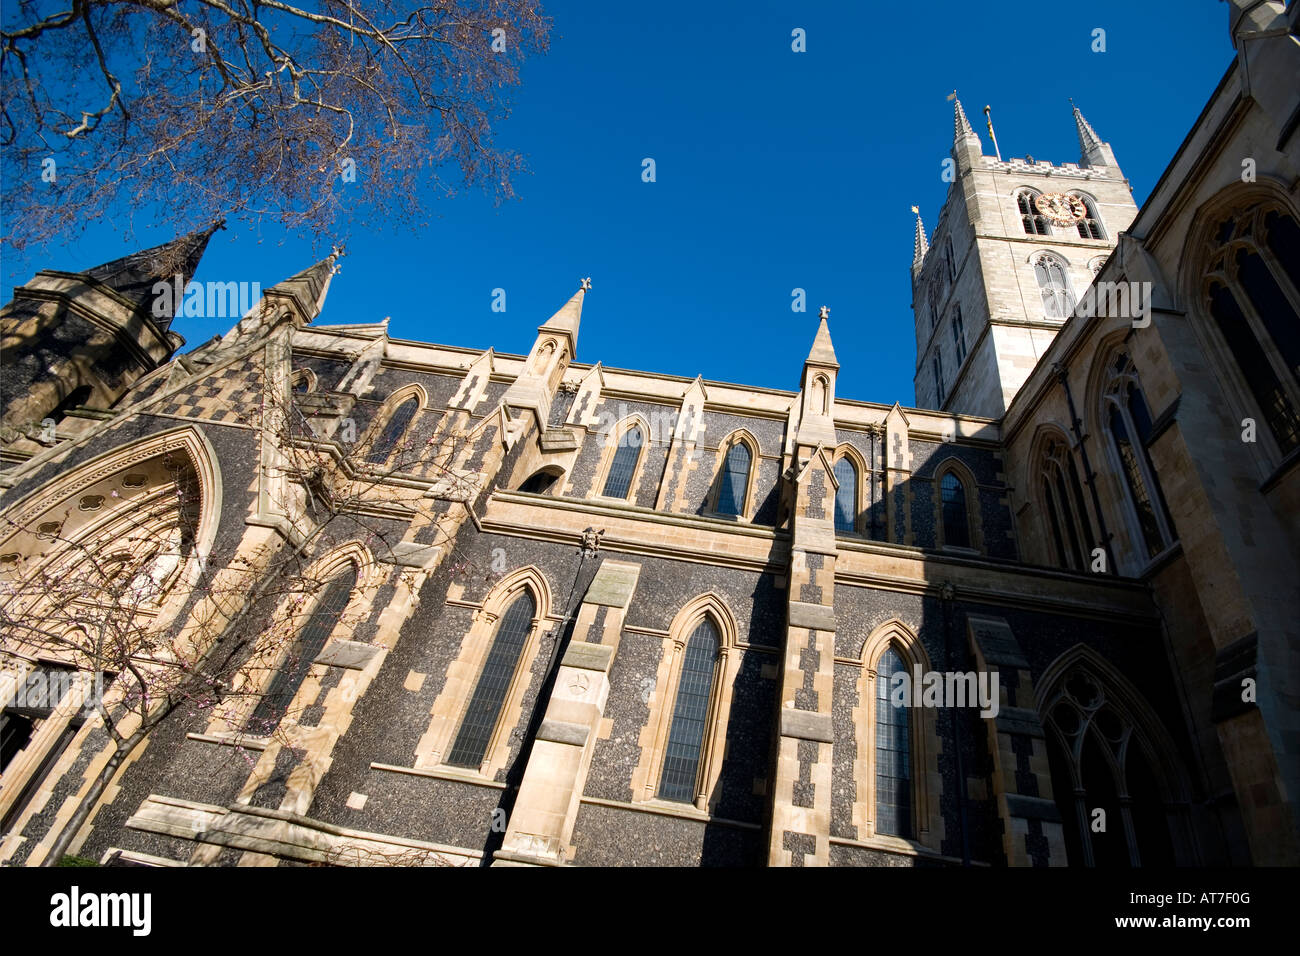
x=1128, y=422
x=1034, y=222
x=623, y=468
x=393, y=431
x=893, y=753
x=279, y=693
x=1090, y=225
x=484, y=710
x=1067, y=521
x=680, y=778
x=949, y=261
x=846, y=496
x=956, y=518
x=1054, y=284
x=1252, y=289
x=958, y=335
x=938, y=380
x=734, y=481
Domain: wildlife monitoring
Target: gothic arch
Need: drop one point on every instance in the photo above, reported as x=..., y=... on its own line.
x=1063, y=516
x=925, y=746
x=291, y=616
x=22, y=519
x=1202, y=267
x=712, y=607
x=742, y=436
x=1090, y=711
x=952, y=465
x=463, y=674
x=862, y=489
x=613, y=441
x=379, y=422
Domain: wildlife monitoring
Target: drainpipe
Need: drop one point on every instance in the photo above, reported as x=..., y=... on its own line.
x=1089, y=478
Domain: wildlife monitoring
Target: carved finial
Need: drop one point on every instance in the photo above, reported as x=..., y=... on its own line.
x=825, y=312
x=585, y=284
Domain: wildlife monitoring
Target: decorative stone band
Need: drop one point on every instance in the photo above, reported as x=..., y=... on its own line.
x=815, y=617
x=590, y=657
x=353, y=655
x=1033, y=808
x=807, y=725
x=564, y=732
x=1233, y=665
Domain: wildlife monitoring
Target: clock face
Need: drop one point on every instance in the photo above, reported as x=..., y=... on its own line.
x=1061, y=209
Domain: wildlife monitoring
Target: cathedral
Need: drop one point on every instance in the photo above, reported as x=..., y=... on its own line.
x=347, y=599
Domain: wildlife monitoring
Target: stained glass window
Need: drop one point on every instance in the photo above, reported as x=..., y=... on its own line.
x=623, y=468
x=893, y=753
x=690, y=715
x=735, y=480
x=956, y=527
x=489, y=695
x=393, y=431
x=315, y=632
x=846, y=497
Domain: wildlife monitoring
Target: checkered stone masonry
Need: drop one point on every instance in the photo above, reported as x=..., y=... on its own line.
x=801, y=793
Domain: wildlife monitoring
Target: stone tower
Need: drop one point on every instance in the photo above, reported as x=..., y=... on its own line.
x=1003, y=271
x=78, y=340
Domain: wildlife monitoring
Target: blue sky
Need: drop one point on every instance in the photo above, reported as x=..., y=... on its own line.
x=774, y=170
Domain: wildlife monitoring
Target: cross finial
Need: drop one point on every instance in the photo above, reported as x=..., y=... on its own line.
x=585, y=284
x=825, y=312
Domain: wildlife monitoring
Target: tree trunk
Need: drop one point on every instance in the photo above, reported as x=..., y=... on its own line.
x=89, y=801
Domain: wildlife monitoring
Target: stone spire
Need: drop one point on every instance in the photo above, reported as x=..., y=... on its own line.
x=966, y=148
x=920, y=246
x=1093, y=152
x=134, y=276
x=307, y=290
x=823, y=352
x=569, y=317
x=961, y=125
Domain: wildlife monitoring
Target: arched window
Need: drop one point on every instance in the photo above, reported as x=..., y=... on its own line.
x=1128, y=424
x=934, y=305
x=681, y=770
x=1252, y=289
x=958, y=335
x=846, y=497
x=1034, y=222
x=279, y=693
x=541, y=482
x=484, y=710
x=1090, y=225
x=393, y=431
x=948, y=259
x=956, y=518
x=623, y=468
x=893, y=752
x=1067, y=520
x=734, y=481
x=1054, y=284
x=937, y=363
x=1102, y=758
